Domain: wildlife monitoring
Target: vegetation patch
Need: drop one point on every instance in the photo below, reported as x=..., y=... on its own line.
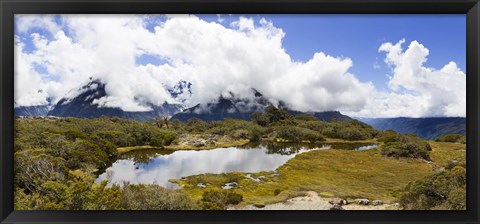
x=123, y=150
x=452, y=138
x=410, y=146
x=57, y=161
x=448, y=154
x=445, y=190
x=340, y=173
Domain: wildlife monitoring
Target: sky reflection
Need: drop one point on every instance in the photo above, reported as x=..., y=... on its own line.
x=186, y=163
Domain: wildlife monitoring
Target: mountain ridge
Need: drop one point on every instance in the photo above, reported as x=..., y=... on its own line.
x=82, y=106
x=428, y=128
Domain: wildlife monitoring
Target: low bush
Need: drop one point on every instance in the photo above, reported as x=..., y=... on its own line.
x=452, y=138
x=445, y=190
x=220, y=198
x=404, y=146
x=163, y=139
x=297, y=134
x=399, y=149
x=154, y=197
x=255, y=136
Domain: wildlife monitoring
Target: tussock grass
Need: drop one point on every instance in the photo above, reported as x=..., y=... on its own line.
x=351, y=174
x=122, y=150
x=444, y=152
x=339, y=173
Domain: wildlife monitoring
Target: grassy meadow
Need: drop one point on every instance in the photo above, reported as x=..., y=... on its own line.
x=58, y=159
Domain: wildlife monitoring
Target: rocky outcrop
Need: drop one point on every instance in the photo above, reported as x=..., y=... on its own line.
x=362, y=201
x=338, y=201
x=376, y=203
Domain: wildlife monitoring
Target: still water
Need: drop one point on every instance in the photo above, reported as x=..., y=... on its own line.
x=158, y=166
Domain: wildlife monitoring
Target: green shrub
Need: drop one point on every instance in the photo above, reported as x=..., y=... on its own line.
x=241, y=134
x=297, y=134
x=349, y=130
x=442, y=190
x=314, y=137
x=398, y=149
x=207, y=205
x=275, y=114
x=255, y=136
x=306, y=117
x=119, y=138
x=452, y=138
x=196, y=125
x=72, y=135
x=389, y=136
x=221, y=198
x=260, y=118
x=162, y=139
x=353, y=134
x=153, y=197
x=405, y=146
x=277, y=192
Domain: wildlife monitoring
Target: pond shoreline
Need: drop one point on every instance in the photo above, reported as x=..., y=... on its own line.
x=196, y=142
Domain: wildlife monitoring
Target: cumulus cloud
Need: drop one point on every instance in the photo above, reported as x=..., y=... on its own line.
x=417, y=90
x=30, y=88
x=24, y=23
x=218, y=59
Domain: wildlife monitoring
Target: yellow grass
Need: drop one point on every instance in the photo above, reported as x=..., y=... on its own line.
x=444, y=152
x=122, y=150
x=340, y=173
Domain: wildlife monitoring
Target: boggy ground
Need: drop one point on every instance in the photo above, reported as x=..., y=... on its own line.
x=328, y=173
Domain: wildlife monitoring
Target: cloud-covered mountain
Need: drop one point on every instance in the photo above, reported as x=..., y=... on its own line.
x=233, y=106
x=84, y=104
x=427, y=128
x=230, y=106
x=56, y=52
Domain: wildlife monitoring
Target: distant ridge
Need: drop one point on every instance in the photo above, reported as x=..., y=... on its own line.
x=79, y=103
x=32, y=111
x=237, y=108
x=427, y=128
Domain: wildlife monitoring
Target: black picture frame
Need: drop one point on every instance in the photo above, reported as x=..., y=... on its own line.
x=9, y=8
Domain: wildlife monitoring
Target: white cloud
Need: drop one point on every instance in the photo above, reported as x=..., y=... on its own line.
x=30, y=88
x=214, y=58
x=417, y=90
x=24, y=23
x=217, y=59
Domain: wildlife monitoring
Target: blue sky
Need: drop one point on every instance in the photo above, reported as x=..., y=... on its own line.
x=247, y=51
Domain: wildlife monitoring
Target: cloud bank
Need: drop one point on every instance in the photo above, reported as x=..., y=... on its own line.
x=417, y=90
x=217, y=59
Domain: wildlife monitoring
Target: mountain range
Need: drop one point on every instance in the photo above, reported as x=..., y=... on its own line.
x=31, y=111
x=228, y=105
x=427, y=128
x=80, y=103
x=82, y=106
x=232, y=106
